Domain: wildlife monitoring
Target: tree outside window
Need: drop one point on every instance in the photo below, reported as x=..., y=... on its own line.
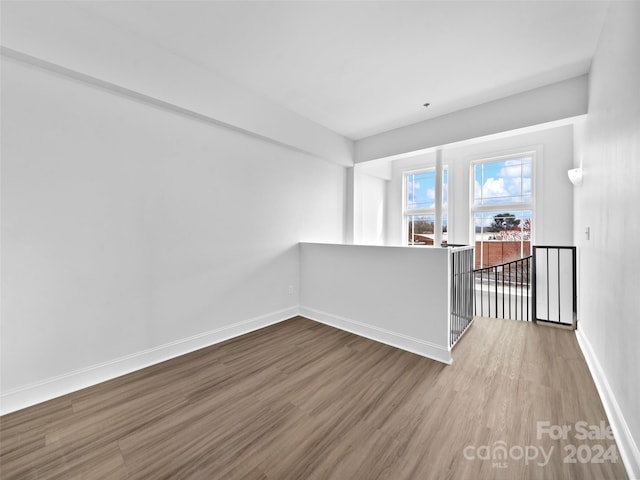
x=502, y=209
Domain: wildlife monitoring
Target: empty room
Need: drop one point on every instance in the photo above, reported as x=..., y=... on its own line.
x=319, y=239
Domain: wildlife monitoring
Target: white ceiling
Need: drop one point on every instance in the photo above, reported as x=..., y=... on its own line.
x=361, y=68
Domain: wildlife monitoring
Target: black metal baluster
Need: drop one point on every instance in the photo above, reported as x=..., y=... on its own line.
x=495, y=276
x=502, y=276
x=528, y=283
x=559, y=299
x=509, y=287
x=518, y=265
x=548, y=307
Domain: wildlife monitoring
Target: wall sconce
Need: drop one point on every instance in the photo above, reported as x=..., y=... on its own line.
x=575, y=175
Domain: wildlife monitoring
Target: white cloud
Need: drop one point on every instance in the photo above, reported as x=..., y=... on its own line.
x=494, y=188
x=431, y=194
x=513, y=179
x=517, y=175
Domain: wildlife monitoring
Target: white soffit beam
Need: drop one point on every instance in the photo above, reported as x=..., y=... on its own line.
x=66, y=38
x=546, y=104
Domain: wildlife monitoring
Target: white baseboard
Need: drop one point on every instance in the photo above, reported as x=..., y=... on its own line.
x=50, y=388
x=35, y=393
x=394, y=339
x=627, y=446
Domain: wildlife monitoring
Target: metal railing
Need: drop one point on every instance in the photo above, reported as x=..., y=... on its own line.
x=554, y=285
x=461, y=292
x=504, y=291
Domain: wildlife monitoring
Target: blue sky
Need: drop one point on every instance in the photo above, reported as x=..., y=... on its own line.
x=503, y=181
x=496, y=183
x=421, y=189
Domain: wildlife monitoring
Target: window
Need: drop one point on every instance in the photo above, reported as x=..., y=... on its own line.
x=420, y=206
x=502, y=209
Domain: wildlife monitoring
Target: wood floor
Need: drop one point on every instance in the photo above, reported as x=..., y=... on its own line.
x=300, y=400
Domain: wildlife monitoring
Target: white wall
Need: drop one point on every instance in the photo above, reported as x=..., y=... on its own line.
x=127, y=228
x=370, y=205
x=607, y=202
x=553, y=191
x=398, y=296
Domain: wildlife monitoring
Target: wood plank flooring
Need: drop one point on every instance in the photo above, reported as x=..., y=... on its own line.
x=301, y=400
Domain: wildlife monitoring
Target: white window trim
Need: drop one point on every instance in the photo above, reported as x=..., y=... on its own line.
x=422, y=211
x=531, y=206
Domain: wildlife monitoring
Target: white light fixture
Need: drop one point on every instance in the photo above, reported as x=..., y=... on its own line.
x=575, y=175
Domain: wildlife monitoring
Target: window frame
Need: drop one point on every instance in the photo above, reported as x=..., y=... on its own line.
x=507, y=206
x=406, y=212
